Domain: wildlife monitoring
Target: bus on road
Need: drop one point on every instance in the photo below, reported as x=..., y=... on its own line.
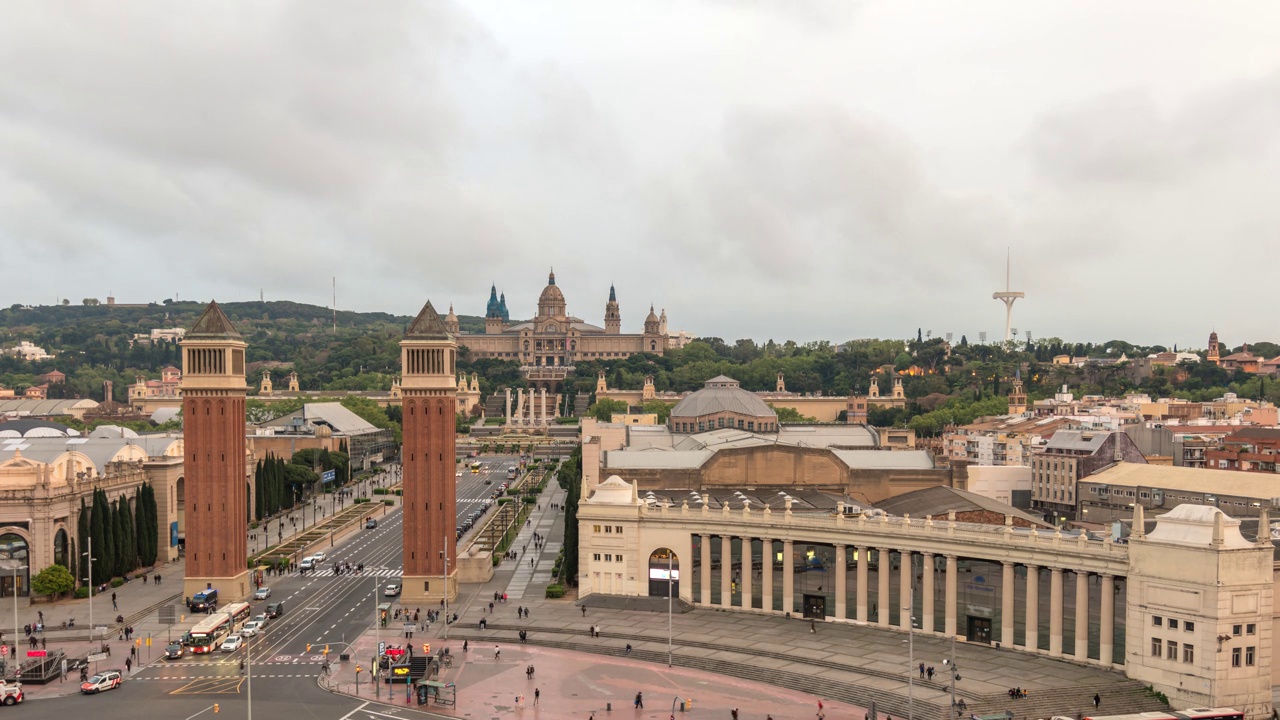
x=209, y=633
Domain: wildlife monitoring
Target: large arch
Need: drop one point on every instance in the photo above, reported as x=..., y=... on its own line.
x=15, y=562
x=663, y=570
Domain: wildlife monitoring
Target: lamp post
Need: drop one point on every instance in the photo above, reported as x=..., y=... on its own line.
x=248, y=665
x=955, y=671
x=16, y=568
x=911, y=652
x=670, y=583
x=445, y=554
x=89, y=580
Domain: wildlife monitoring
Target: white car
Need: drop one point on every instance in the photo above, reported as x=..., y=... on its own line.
x=318, y=556
x=261, y=619
x=307, y=563
x=251, y=628
x=232, y=643
x=392, y=590
x=262, y=593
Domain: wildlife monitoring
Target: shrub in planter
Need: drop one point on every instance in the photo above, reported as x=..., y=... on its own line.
x=388, y=501
x=504, y=500
x=82, y=592
x=117, y=582
x=555, y=591
x=360, y=500
x=530, y=499
x=380, y=491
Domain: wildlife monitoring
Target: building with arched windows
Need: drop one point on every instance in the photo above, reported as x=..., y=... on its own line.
x=44, y=476
x=548, y=345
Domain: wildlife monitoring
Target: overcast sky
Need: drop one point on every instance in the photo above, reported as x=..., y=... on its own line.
x=760, y=168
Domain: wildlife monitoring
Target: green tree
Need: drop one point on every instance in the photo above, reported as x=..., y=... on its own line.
x=102, y=538
x=604, y=408
x=791, y=415
x=570, y=478
x=53, y=580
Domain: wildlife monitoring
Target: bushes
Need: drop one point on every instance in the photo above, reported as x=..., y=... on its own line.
x=555, y=592
x=117, y=582
x=380, y=491
x=53, y=580
x=529, y=499
x=388, y=501
x=82, y=592
x=504, y=500
x=359, y=500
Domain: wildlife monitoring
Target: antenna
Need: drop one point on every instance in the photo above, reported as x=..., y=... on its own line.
x=1008, y=296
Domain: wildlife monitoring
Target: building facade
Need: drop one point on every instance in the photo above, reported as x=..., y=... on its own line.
x=554, y=340
x=1068, y=457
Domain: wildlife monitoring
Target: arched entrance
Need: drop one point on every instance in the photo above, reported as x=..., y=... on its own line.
x=664, y=573
x=61, y=549
x=14, y=565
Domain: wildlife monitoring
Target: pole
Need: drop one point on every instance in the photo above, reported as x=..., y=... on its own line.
x=15, y=605
x=911, y=653
x=90, y=578
x=248, y=668
x=953, y=671
x=670, y=582
x=445, y=553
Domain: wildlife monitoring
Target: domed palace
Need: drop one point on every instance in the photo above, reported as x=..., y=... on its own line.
x=548, y=345
x=722, y=403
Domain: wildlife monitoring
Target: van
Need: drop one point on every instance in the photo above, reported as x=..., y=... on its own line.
x=275, y=609
x=204, y=601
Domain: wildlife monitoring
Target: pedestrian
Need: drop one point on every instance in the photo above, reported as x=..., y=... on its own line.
x=1097, y=701
x=734, y=714
x=639, y=700
x=584, y=611
x=929, y=672
x=464, y=645
x=536, y=694
x=113, y=602
x=813, y=626
x=41, y=614
x=921, y=669
x=128, y=664
x=497, y=653
x=530, y=562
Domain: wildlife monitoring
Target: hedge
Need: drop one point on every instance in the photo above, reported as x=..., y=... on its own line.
x=555, y=591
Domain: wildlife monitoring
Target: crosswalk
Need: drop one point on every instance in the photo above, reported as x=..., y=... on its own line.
x=385, y=572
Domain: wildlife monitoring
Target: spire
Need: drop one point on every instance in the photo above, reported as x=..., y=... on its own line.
x=613, y=296
x=551, y=278
x=494, y=308
x=214, y=323
x=428, y=325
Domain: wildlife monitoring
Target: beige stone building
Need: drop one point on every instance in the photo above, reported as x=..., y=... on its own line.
x=1187, y=608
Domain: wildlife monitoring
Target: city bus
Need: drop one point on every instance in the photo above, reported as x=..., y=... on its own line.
x=512, y=472
x=209, y=633
x=475, y=467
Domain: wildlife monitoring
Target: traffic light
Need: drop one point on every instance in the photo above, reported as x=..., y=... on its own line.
x=426, y=648
x=326, y=648
x=358, y=669
x=216, y=708
x=308, y=647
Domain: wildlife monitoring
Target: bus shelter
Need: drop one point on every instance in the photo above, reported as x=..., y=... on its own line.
x=440, y=693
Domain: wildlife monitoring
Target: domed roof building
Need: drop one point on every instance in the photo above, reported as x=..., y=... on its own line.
x=722, y=403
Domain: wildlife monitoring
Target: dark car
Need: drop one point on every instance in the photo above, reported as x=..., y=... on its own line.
x=370, y=524
x=174, y=650
x=275, y=609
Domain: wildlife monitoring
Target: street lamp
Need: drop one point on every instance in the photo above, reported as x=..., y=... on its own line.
x=16, y=567
x=248, y=665
x=445, y=593
x=670, y=583
x=950, y=663
x=89, y=580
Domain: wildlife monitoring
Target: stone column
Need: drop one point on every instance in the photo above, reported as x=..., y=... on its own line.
x=748, y=561
x=1033, y=609
x=519, y=406
x=883, y=571
x=705, y=577
x=926, y=591
x=542, y=399
x=906, y=605
x=862, y=551
x=1082, y=616
x=788, y=577
x=508, y=406
x=952, y=579
x=766, y=574
x=726, y=571
x=1006, y=606
x=1106, y=633
x=842, y=609
x=1055, y=612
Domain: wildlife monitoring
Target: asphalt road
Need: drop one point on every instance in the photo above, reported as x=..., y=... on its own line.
x=320, y=609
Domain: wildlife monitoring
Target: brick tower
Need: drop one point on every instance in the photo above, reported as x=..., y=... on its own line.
x=213, y=394
x=428, y=356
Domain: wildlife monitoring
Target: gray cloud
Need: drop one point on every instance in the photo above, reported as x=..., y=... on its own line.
x=759, y=168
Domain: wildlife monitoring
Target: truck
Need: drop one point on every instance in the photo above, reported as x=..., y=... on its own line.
x=204, y=601
x=10, y=693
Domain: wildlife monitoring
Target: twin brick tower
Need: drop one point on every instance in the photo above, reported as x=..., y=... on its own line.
x=217, y=466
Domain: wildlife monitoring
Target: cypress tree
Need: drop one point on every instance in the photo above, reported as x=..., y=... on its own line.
x=82, y=532
x=150, y=542
x=120, y=538
x=130, y=533
x=99, y=530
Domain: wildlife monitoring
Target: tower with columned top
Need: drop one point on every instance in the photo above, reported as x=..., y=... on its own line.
x=216, y=486
x=428, y=360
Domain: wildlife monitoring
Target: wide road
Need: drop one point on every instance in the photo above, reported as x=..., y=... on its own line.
x=320, y=609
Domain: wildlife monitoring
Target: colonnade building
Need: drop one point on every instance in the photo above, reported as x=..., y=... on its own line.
x=1186, y=608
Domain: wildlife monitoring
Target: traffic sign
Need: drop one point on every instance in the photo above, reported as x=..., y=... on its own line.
x=95, y=657
x=37, y=653
x=382, y=648
x=4, y=650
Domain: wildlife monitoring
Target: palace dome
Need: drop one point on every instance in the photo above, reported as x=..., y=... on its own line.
x=551, y=302
x=723, y=395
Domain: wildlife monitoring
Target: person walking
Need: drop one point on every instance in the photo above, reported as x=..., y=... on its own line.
x=1097, y=701
x=128, y=665
x=639, y=700
x=497, y=653
x=536, y=694
x=584, y=611
x=113, y=602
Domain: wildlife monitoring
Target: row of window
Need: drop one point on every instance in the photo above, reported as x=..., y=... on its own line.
x=607, y=557
x=1188, y=625
x=1249, y=654
x=1170, y=650
x=703, y=426
x=609, y=529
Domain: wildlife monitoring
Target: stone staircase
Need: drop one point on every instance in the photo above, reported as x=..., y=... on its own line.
x=932, y=697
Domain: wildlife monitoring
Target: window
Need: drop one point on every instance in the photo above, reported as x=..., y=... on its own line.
x=1172, y=650
x=595, y=528
x=1235, y=657
x=1156, y=620
x=1189, y=626
x=1157, y=647
x=1248, y=656
x=1250, y=629
x=617, y=558
x=617, y=529
x=1173, y=623
x=596, y=557
x=608, y=558
x=1188, y=653
x=608, y=529
x=1235, y=630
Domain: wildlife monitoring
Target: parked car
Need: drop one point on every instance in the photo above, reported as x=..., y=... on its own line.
x=262, y=593
x=232, y=643
x=250, y=628
x=174, y=651
x=105, y=680
x=392, y=590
